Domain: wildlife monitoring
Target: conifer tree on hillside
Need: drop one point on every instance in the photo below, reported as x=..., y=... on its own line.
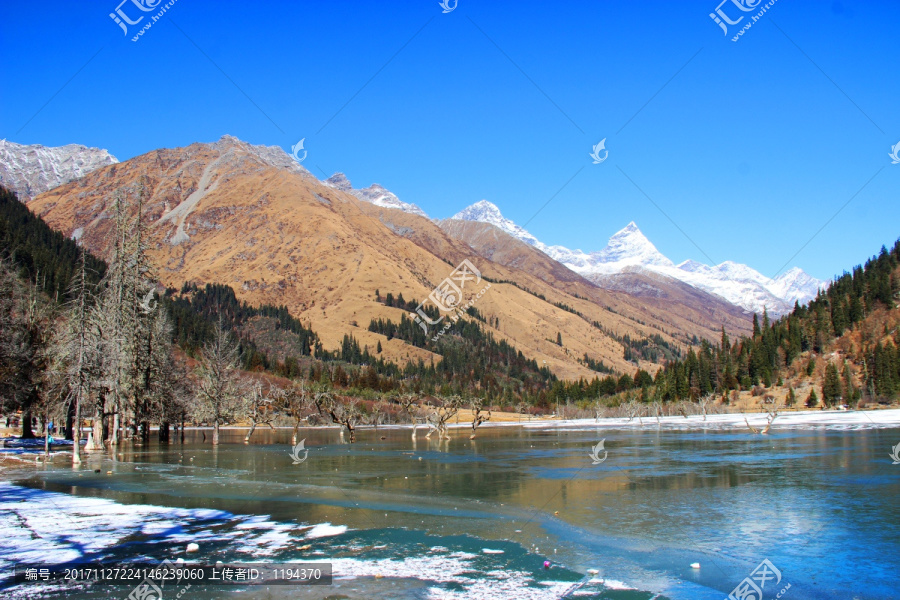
x=831, y=389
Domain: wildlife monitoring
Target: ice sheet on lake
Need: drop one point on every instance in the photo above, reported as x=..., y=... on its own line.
x=47, y=527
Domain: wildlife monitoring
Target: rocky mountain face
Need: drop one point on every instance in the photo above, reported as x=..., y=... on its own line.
x=629, y=252
x=374, y=194
x=252, y=218
x=29, y=170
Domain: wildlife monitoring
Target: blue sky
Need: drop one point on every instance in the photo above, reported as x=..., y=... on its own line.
x=750, y=147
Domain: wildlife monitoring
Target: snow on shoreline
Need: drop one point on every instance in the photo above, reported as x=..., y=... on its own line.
x=810, y=419
x=802, y=419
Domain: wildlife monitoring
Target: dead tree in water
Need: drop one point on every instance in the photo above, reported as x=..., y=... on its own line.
x=477, y=417
x=259, y=408
x=657, y=410
x=346, y=414
x=705, y=402
x=770, y=418
x=439, y=415
x=217, y=374
x=295, y=400
x=410, y=404
x=634, y=409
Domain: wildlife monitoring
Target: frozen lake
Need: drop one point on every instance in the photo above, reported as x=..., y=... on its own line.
x=477, y=519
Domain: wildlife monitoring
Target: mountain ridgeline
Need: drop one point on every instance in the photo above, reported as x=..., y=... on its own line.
x=270, y=338
x=848, y=334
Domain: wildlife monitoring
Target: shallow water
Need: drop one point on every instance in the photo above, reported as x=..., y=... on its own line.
x=477, y=519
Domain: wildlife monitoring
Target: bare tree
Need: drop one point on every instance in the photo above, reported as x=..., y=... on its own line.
x=477, y=415
x=217, y=389
x=598, y=408
x=295, y=400
x=79, y=350
x=634, y=409
x=705, y=402
x=345, y=413
x=770, y=418
x=259, y=407
x=409, y=403
x=439, y=415
x=380, y=412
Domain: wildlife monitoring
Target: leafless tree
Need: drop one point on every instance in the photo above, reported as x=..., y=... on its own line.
x=633, y=409
x=478, y=417
x=439, y=415
x=295, y=400
x=598, y=408
x=770, y=418
x=409, y=403
x=217, y=390
x=705, y=402
x=346, y=412
x=79, y=350
x=259, y=407
x=656, y=408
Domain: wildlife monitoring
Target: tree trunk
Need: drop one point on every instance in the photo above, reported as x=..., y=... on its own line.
x=182, y=427
x=97, y=431
x=249, y=433
x=296, y=433
x=114, y=438
x=163, y=432
x=70, y=417
x=103, y=440
x=215, y=439
x=76, y=432
x=27, y=430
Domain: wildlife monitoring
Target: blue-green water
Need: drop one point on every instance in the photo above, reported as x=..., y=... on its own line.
x=477, y=519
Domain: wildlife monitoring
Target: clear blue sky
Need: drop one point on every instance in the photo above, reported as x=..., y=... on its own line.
x=751, y=148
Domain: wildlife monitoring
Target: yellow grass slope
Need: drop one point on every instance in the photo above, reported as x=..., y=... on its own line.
x=249, y=217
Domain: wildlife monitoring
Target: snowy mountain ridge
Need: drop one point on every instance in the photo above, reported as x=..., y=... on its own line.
x=29, y=170
x=374, y=194
x=629, y=250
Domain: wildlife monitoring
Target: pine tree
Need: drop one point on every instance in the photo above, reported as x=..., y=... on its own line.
x=831, y=389
x=849, y=390
x=813, y=399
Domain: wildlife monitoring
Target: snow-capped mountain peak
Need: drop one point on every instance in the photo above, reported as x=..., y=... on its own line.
x=487, y=212
x=629, y=249
x=29, y=170
x=375, y=194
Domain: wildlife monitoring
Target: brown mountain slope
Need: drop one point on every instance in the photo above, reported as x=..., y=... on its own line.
x=680, y=305
x=249, y=217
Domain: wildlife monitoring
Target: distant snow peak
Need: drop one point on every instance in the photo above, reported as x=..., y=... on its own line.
x=487, y=212
x=29, y=170
x=374, y=194
x=629, y=250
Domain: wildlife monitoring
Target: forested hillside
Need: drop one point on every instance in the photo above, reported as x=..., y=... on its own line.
x=854, y=322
